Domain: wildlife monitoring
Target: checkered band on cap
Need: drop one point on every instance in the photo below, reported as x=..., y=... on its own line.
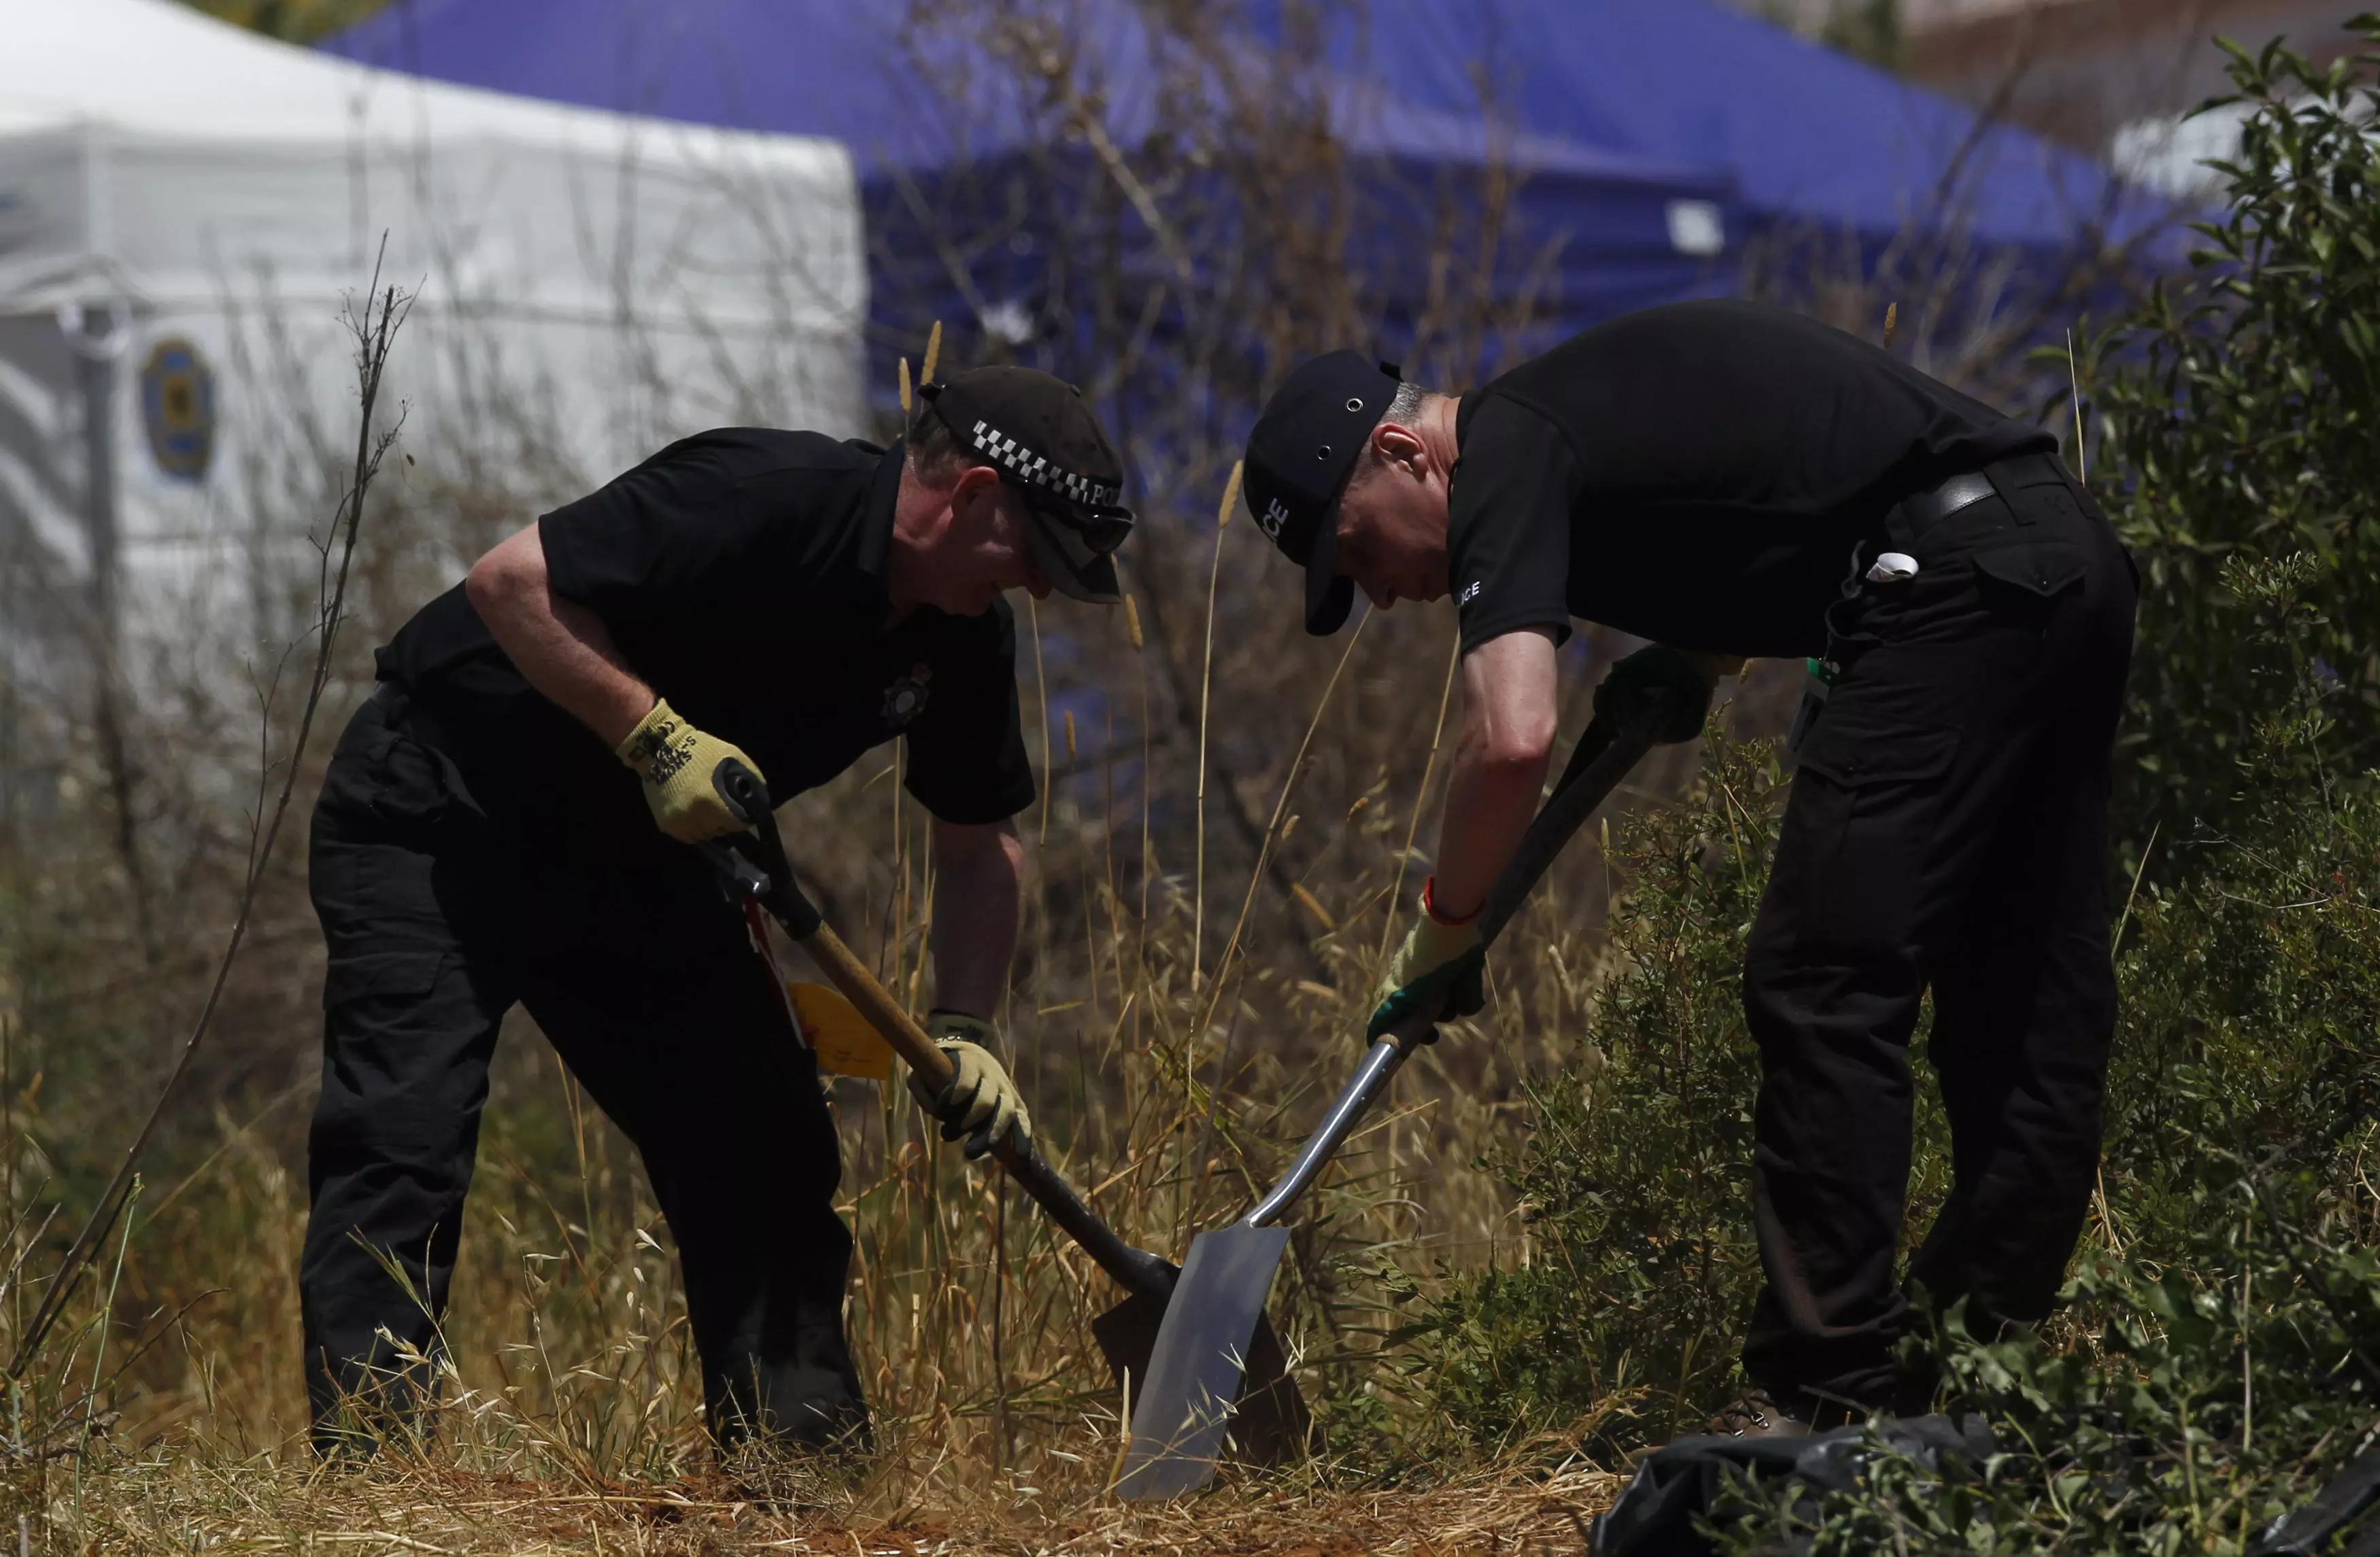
x=998, y=446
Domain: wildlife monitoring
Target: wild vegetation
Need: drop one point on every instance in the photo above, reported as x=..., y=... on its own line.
x=1539, y=1260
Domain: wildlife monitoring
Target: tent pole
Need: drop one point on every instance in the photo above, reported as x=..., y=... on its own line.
x=99, y=340
x=100, y=336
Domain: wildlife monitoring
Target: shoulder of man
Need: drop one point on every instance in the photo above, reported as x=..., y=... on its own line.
x=1695, y=324
x=739, y=454
x=1510, y=415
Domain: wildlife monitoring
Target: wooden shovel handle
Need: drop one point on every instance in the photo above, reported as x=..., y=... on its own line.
x=1137, y=1269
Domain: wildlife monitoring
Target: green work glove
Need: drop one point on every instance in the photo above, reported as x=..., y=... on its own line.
x=677, y=763
x=1630, y=687
x=980, y=1102
x=1436, y=974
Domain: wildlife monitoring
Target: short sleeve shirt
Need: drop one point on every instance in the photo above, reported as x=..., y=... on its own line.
x=741, y=573
x=1697, y=474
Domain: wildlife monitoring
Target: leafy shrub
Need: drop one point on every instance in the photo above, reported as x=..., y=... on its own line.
x=2218, y=1350
x=2213, y=1400
x=2242, y=422
x=2218, y=1355
x=1636, y=1184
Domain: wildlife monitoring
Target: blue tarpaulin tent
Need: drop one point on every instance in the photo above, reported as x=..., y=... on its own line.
x=1657, y=136
x=1811, y=137
x=1630, y=228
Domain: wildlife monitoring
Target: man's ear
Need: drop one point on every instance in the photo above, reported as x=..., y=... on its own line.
x=975, y=484
x=1397, y=446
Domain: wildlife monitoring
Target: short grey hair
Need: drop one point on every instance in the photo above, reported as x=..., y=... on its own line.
x=935, y=452
x=1406, y=403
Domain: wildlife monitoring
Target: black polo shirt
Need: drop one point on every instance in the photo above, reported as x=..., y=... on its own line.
x=1696, y=474
x=742, y=575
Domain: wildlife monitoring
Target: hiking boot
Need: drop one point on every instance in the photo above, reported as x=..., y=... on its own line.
x=1757, y=1415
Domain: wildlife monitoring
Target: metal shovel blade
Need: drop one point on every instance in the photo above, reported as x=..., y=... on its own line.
x=1271, y=1424
x=1203, y=1348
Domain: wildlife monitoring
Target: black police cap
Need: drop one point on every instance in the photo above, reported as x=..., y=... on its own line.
x=1044, y=439
x=1302, y=451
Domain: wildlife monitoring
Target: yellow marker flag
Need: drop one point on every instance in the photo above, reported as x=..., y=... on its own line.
x=845, y=1043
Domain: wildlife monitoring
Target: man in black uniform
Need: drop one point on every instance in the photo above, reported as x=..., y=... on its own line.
x=487, y=836
x=1730, y=481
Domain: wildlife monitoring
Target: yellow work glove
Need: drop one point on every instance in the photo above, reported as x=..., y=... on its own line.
x=980, y=1102
x=1436, y=974
x=677, y=763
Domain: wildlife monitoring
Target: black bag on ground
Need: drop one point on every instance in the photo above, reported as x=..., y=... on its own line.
x=1655, y=1517
x=2347, y=1501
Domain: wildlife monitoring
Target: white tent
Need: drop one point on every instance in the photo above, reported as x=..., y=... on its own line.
x=184, y=210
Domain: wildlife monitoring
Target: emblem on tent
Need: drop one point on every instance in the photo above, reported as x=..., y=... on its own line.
x=177, y=406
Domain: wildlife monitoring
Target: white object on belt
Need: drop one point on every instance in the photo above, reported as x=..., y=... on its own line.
x=1893, y=567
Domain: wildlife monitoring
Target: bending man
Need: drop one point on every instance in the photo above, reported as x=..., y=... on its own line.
x=1728, y=481
x=506, y=822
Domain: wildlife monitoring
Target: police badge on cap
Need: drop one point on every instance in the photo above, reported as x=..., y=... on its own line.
x=1300, y=455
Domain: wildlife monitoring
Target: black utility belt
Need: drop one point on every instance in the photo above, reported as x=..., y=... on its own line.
x=1913, y=516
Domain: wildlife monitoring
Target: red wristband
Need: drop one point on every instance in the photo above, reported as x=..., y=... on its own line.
x=1430, y=907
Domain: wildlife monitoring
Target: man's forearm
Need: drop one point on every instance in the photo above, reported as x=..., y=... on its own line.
x=976, y=874
x=1489, y=804
x=560, y=646
x=1508, y=686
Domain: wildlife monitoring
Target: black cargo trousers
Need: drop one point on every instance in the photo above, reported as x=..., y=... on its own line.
x=643, y=977
x=1947, y=828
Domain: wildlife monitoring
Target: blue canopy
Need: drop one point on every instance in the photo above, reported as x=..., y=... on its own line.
x=1656, y=138
x=1626, y=229
x=1811, y=137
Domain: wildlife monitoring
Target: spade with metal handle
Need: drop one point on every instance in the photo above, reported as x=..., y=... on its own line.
x=1126, y=1333
x=1208, y=1340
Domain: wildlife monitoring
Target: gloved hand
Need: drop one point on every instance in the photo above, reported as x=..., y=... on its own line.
x=1630, y=687
x=677, y=763
x=980, y=1102
x=1437, y=972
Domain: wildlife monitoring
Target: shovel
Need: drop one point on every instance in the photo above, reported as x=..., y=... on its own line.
x=1275, y=1413
x=1215, y=1330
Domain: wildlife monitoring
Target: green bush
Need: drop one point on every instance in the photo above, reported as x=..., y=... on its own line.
x=2214, y=1398
x=2231, y=1239
x=1634, y=1185
x=2241, y=415
x=2216, y=1355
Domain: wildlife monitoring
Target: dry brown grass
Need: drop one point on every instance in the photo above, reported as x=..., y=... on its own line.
x=572, y=1421
x=179, y=1503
